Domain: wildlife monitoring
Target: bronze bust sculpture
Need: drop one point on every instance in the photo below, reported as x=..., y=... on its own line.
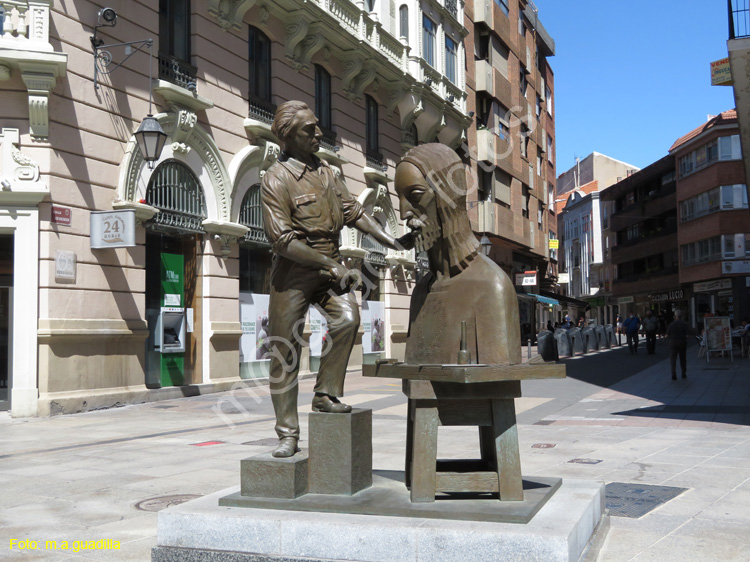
x=305, y=206
x=463, y=285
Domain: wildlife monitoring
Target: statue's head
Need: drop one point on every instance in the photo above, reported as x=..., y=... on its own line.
x=431, y=187
x=295, y=125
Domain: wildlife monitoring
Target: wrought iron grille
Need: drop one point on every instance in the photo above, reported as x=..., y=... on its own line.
x=177, y=71
x=329, y=139
x=175, y=191
x=251, y=215
x=739, y=18
x=374, y=159
x=261, y=110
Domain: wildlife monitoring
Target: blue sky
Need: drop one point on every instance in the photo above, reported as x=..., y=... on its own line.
x=632, y=77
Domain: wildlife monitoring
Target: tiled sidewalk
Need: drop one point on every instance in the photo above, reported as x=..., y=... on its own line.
x=81, y=477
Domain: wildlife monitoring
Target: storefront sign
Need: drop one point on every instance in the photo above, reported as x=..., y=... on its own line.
x=61, y=215
x=113, y=229
x=674, y=295
x=554, y=244
x=526, y=279
x=624, y=300
x=254, y=343
x=721, y=73
x=715, y=285
x=376, y=258
x=65, y=266
x=373, y=323
x=738, y=266
x=563, y=278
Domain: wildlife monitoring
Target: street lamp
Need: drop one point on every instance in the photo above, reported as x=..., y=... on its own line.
x=486, y=245
x=150, y=136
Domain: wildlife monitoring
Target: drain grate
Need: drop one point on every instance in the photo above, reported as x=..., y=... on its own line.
x=636, y=500
x=162, y=502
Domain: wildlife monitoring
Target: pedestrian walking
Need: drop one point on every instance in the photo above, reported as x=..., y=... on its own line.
x=677, y=332
x=631, y=326
x=618, y=323
x=650, y=327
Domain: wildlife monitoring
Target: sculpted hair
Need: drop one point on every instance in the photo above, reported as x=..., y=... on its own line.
x=284, y=119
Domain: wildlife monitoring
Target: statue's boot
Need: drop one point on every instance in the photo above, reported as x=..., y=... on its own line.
x=330, y=404
x=286, y=448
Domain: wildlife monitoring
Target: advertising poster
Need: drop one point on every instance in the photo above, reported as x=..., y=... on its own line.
x=318, y=331
x=373, y=323
x=718, y=333
x=254, y=320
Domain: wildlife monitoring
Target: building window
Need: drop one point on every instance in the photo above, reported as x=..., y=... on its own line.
x=503, y=5
x=176, y=192
x=522, y=82
x=482, y=46
x=323, y=96
x=538, y=106
x=174, y=42
x=723, y=148
x=451, y=49
x=429, y=32
x=521, y=25
x=371, y=132
x=550, y=152
x=548, y=98
x=260, y=65
x=403, y=21
x=701, y=251
x=525, y=197
x=484, y=190
x=733, y=197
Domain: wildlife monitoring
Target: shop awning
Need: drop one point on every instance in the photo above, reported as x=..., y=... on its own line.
x=565, y=299
x=544, y=300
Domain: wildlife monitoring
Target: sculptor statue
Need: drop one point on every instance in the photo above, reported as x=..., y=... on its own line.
x=305, y=206
x=462, y=284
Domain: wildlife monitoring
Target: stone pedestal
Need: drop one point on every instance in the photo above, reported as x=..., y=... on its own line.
x=340, y=452
x=265, y=476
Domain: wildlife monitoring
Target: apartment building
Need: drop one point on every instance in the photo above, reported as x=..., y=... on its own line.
x=129, y=275
x=714, y=225
x=510, y=145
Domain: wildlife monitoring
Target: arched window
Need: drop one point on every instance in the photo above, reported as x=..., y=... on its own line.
x=259, y=87
x=175, y=191
x=251, y=215
x=403, y=19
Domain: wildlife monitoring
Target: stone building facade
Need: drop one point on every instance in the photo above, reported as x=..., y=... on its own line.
x=86, y=328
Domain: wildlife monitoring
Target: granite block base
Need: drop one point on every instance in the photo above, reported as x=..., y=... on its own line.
x=266, y=476
x=202, y=530
x=340, y=452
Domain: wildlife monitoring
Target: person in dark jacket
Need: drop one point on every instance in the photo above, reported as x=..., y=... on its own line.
x=631, y=326
x=650, y=327
x=677, y=332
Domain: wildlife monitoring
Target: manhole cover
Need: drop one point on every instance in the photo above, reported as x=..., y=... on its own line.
x=585, y=461
x=543, y=446
x=636, y=500
x=267, y=442
x=161, y=502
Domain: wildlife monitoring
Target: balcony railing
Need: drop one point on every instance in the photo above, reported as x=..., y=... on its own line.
x=261, y=110
x=739, y=18
x=329, y=139
x=177, y=72
x=374, y=159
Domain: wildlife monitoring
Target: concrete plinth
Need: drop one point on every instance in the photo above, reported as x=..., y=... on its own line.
x=201, y=530
x=340, y=452
x=265, y=476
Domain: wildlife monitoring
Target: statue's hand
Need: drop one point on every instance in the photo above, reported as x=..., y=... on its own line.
x=407, y=241
x=342, y=277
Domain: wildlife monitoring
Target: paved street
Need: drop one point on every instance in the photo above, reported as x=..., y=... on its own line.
x=86, y=476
